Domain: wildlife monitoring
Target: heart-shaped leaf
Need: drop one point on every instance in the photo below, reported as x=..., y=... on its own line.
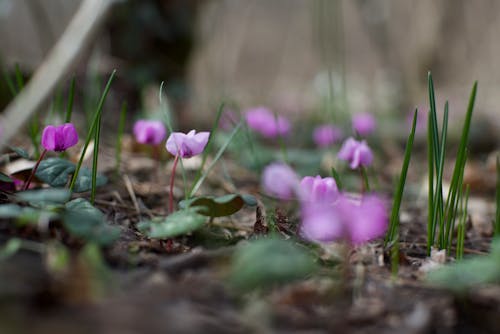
x=25, y=215
x=5, y=178
x=21, y=152
x=218, y=206
x=43, y=196
x=56, y=172
x=269, y=261
x=178, y=223
x=83, y=220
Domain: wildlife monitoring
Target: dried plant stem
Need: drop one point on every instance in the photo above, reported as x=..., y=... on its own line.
x=33, y=171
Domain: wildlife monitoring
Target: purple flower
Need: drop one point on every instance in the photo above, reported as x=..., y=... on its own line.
x=187, y=145
x=149, y=132
x=59, y=138
x=263, y=121
x=280, y=180
x=363, y=123
x=326, y=135
x=357, y=153
x=356, y=221
x=317, y=189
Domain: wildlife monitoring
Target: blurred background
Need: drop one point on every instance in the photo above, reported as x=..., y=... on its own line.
x=295, y=56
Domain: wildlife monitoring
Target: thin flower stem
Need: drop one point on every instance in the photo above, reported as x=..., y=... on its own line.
x=172, y=179
x=365, y=185
x=33, y=171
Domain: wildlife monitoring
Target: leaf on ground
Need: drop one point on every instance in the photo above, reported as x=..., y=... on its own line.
x=56, y=172
x=43, y=196
x=269, y=261
x=219, y=206
x=10, y=248
x=5, y=178
x=21, y=152
x=83, y=220
x=25, y=215
x=178, y=223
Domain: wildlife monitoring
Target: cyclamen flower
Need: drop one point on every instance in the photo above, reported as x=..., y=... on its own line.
x=149, y=132
x=317, y=189
x=357, y=153
x=187, y=145
x=356, y=221
x=326, y=135
x=364, y=123
x=263, y=121
x=59, y=138
x=280, y=180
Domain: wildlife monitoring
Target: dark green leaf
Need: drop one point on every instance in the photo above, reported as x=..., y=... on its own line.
x=269, y=261
x=56, y=172
x=10, y=248
x=178, y=223
x=5, y=178
x=219, y=206
x=51, y=195
x=20, y=151
x=84, y=221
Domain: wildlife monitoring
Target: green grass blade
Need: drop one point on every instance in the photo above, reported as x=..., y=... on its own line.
x=93, y=126
x=431, y=228
x=438, y=195
x=396, y=205
x=208, y=148
x=19, y=78
x=216, y=158
x=10, y=84
x=71, y=96
x=95, y=158
x=338, y=181
x=497, y=215
x=119, y=137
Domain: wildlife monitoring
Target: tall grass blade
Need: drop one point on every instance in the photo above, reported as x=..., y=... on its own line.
x=430, y=204
x=71, y=97
x=497, y=215
x=119, y=137
x=337, y=178
x=93, y=127
x=95, y=158
x=208, y=148
x=438, y=195
x=216, y=158
x=396, y=205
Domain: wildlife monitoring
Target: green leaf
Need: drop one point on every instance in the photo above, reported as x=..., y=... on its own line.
x=43, y=196
x=10, y=210
x=25, y=215
x=83, y=220
x=178, y=223
x=5, y=178
x=10, y=248
x=56, y=172
x=20, y=151
x=218, y=206
x=269, y=261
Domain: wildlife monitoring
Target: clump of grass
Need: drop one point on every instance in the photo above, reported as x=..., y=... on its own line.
x=442, y=214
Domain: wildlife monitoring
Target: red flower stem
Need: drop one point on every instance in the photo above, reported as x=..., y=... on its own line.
x=33, y=171
x=172, y=179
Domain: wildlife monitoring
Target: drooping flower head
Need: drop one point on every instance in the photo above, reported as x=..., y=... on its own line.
x=280, y=180
x=357, y=153
x=187, y=145
x=318, y=189
x=325, y=135
x=364, y=123
x=263, y=121
x=59, y=138
x=149, y=132
x=355, y=220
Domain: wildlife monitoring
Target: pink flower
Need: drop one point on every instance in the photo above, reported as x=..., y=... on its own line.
x=317, y=189
x=356, y=221
x=187, y=145
x=59, y=138
x=149, y=132
x=280, y=180
x=263, y=121
x=326, y=135
x=355, y=152
x=364, y=123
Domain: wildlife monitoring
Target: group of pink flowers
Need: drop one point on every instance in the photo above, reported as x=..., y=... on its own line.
x=326, y=213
